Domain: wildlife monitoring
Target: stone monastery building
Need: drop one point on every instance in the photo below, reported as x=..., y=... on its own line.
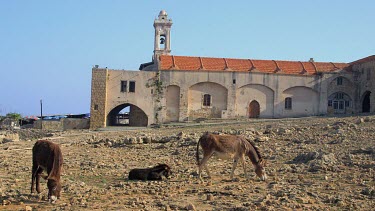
x=183, y=88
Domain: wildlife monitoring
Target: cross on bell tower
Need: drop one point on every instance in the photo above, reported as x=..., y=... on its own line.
x=162, y=43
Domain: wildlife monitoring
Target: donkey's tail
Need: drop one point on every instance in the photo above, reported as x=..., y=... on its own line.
x=197, y=153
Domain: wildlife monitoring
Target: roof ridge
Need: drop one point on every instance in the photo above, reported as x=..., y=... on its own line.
x=278, y=69
x=226, y=64
x=201, y=63
x=335, y=67
x=252, y=65
x=313, y=64
x=303, y=68
x=174, y=66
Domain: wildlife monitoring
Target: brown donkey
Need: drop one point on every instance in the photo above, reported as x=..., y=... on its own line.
x=230, y=146
x=47, y=156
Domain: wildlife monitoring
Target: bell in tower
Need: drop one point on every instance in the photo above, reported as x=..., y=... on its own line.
x=162, y=43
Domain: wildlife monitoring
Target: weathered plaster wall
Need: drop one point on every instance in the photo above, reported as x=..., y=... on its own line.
x=305, y=102
x=243, y=87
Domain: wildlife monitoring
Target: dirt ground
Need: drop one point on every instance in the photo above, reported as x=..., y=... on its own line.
x=313, y=164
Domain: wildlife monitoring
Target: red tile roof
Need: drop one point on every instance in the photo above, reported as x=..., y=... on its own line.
x=168, y=62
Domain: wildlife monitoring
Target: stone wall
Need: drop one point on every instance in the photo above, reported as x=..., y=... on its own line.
x=365, y=79
x=63, y=124
x=137, y=117
x=70, y=123
x=98, y=98
x=48, y=125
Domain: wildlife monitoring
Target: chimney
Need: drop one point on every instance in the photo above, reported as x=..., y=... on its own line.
x=311, y=60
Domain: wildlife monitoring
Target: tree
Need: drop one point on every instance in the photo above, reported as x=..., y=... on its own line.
x=15, y=116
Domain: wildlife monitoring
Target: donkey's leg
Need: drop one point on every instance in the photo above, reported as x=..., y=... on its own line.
x=234, y=167
x=243, y=160
x=203, y=163
x=33, y=175
x=37, y=174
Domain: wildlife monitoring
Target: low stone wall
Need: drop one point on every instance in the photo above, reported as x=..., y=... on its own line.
x=63, y=124
x=69, y=124
x=48, y=125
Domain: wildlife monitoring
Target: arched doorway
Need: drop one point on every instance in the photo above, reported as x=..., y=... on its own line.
x=366, y=102
x=254, y=109
x=127, y=115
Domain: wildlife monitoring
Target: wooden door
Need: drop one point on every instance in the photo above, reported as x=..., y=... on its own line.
x=254, y=109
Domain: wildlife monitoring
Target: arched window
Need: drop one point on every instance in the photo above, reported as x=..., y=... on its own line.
x=162, y=42
x=288, y=103
x=206, y=100
x=339, y=101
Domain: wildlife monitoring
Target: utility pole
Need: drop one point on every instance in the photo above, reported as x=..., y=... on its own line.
x=41, y=114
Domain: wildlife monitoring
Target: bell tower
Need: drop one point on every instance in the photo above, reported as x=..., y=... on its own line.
x=162, y=43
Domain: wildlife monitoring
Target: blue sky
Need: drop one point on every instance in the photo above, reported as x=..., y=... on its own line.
x=47, y=48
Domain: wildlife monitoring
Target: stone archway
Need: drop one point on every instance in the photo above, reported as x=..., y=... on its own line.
x=366, y=102
x=134, y=117
x=254, y=109
x=262, y=94
x=198, y=108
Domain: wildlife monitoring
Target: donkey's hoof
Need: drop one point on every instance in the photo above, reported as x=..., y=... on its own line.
x=235, y=179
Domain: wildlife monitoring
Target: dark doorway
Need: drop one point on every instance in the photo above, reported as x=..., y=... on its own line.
x=366, y=102
x=254, y=109
x=127, y=115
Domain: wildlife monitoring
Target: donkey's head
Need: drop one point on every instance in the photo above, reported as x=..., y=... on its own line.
x=260, y=169
x=165, y=170
x=54, y=189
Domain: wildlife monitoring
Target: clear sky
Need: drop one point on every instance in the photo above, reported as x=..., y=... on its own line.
x=47, y=48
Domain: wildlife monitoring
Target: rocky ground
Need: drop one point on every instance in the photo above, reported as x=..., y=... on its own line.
x=313, y=164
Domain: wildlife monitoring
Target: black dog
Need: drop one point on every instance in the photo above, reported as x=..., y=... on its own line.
x=154, y=173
